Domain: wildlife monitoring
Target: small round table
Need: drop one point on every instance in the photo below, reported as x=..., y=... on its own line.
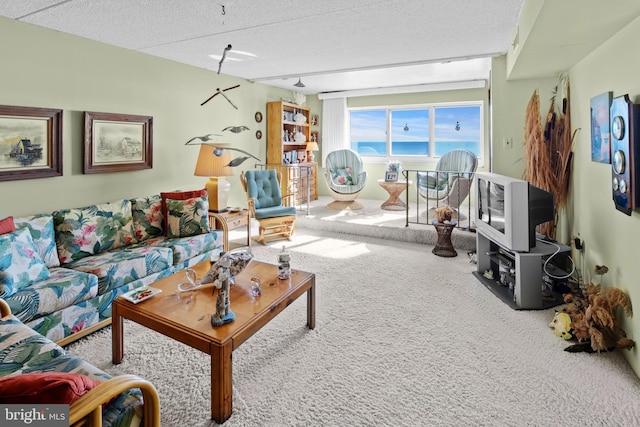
x=394, y=188
x=444, y=247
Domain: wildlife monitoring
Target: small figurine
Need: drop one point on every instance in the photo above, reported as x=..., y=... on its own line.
x=223, y=313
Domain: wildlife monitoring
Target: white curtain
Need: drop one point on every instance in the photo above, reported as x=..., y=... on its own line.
x=334, y=126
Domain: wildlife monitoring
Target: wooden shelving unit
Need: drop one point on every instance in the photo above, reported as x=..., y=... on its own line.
x=287, y=146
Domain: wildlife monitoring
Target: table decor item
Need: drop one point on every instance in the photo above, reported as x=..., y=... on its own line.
x=223, y=314
x=141, y=294
x=284, y=264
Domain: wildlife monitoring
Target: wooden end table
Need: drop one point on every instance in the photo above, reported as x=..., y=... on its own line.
x=230, y=220
x=394, y=188
x=186, y=317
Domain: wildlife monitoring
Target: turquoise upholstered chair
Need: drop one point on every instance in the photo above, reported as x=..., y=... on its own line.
x=346, y=177
x=267, y=206
x=449, y=184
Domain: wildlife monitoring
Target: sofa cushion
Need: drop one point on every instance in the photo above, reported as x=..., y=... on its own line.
x=119, y=267
x=187, y=217
x=178, y=195
x=186, y=248
x=20, y=264
x=45, y=388
x=342, y=176
x=44, y=236
x=148, y=219
x=63, y=288
x=7, y=225
x=91, y=230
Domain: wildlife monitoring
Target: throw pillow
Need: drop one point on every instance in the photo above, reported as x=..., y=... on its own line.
x=7, y=225
x=44, y=236
x=148, y=219
x=179, y=195
x=20, y=264
x=342, y=176
x=44, y=388
x=81, y=232
x=187, y=217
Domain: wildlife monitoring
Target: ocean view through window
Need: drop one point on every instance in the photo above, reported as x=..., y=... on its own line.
x=423, y=131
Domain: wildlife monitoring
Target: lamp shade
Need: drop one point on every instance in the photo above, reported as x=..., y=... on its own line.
x=210, y=165
x=312, y=146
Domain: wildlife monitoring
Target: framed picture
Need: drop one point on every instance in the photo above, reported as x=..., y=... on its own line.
x=314, y=137
x=117, y=142
x=30, y=142
x=600, y=134
x=391, y=176
x=315, y=120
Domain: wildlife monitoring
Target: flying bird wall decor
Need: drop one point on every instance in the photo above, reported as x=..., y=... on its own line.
x=235, y=129
x=219, y=151
x=221, y=92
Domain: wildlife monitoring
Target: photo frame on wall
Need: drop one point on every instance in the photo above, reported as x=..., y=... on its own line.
x=600, y=132
x=30, y=142
x=117, y=142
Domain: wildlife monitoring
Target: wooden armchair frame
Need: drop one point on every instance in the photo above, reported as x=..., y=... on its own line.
x=271, y=228
x=87, y=410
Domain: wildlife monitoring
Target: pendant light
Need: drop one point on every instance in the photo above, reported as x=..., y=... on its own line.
x=299, y=84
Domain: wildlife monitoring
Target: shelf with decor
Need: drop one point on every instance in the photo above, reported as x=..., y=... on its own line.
x=288, y=132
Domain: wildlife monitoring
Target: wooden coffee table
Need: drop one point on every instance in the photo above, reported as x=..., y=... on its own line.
x=186, y=317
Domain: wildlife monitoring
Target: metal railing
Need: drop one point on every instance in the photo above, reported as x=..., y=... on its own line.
x=432, y=189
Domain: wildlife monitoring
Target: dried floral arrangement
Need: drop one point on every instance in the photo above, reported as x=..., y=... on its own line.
x=444, y=213
x=547, y=149
x=594, y=321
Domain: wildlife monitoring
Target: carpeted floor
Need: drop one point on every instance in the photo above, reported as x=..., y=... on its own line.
x=402, y=338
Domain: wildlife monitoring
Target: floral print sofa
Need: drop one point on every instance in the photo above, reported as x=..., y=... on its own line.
x=34, y=369
x=76, y=261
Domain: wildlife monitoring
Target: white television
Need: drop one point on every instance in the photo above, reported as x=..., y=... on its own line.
x=510, y=209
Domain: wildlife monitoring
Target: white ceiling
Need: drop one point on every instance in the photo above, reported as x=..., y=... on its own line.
x=338, y=45
x=332, y=45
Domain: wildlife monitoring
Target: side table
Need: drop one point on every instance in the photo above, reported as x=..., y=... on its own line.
x=230, y=220
x=444, y=247
x=394, y=188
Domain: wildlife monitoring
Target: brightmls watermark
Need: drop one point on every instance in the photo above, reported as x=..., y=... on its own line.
x=34, y=415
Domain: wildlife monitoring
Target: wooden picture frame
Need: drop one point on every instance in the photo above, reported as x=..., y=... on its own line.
x=117, y=142
x=600, y=128
x=30, y=142
x=315, y=120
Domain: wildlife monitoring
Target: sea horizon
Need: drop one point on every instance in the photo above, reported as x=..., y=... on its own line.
x=413, y=148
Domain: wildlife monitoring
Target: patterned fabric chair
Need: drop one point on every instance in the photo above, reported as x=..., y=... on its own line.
x=267, y=206
x=449, y=184
x=346, y=177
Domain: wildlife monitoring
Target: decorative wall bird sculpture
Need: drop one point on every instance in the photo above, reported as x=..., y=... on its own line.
x=219, y=151
x=235, y=129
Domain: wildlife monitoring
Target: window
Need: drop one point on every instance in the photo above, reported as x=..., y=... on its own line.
x=417, y=131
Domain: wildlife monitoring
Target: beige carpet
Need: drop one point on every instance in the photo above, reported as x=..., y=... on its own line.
x=402, y=338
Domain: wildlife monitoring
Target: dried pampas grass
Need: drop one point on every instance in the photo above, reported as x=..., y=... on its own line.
x=547, y=150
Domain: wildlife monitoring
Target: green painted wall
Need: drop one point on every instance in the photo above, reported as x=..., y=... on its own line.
x=45, y=68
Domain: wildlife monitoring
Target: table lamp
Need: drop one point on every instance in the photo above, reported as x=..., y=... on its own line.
x=215, y=168
x=312, y=146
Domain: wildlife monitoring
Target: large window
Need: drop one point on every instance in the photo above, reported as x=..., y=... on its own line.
x=418, y=131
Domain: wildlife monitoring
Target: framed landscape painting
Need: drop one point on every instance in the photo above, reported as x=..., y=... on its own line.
x=117, y=142
x=30, y=142
x=600, y=135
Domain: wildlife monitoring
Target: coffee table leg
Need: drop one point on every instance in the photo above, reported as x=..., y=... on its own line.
x=117, y=344
x=221, y=382
x=311, y=304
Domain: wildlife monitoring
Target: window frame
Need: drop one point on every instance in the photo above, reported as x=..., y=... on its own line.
x=419, y=159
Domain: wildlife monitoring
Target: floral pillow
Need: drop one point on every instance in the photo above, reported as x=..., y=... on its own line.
x=342, y=176
x=20, y=264
x=81, y=232
x=179, y=195
x=44, y=236
x=148, y=219
x=187, y=217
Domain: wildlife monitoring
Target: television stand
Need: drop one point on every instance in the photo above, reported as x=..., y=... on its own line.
x=517, y=277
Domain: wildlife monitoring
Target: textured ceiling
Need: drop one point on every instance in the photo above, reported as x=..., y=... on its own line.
x=338, y=45
x=331, y=44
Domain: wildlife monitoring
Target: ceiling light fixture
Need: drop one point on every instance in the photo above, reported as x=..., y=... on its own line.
x=299, y=84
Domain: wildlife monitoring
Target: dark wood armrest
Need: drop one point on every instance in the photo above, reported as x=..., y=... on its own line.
x=5, y=310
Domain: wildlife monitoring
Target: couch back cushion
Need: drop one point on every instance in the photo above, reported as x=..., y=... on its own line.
x=44, y=237
x=81, y=232
x=7, y=225
x=45, y=387
x=20, y=264
x=148, y=219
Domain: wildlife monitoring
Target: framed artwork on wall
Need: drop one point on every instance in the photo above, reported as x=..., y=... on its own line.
x=600, y=133
x=315, y=120
x=117, y=142
x=30, y=142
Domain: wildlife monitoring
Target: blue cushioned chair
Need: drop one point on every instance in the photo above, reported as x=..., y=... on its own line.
x=346, y=177
x=267, y=206
x=449, y=184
